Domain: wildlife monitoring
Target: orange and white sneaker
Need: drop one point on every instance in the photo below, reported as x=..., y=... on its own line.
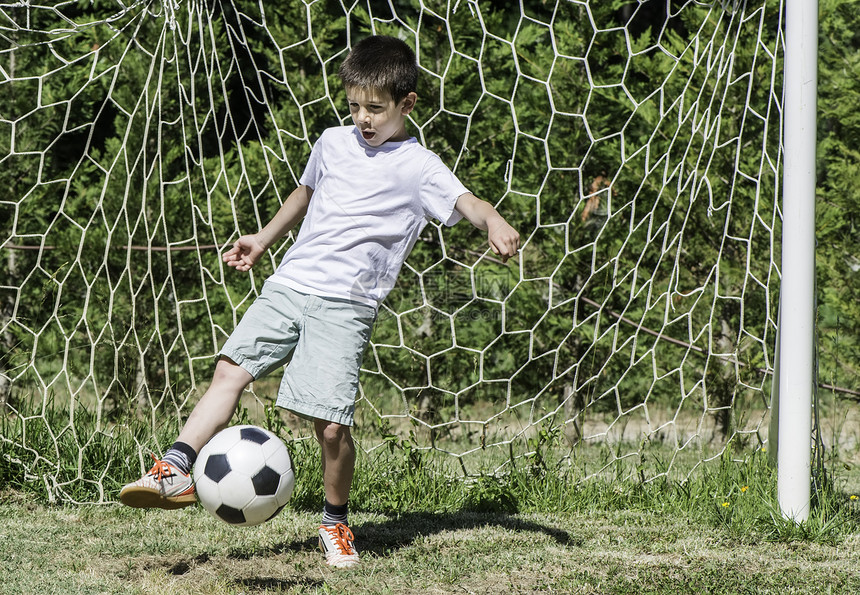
x=337, y=545
x=164, y=486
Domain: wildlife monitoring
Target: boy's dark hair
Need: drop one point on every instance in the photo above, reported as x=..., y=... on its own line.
x=381, y=62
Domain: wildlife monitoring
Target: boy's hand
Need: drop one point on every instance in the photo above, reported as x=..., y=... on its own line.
x=245, y=253
x=504, y=239
x=248, y=249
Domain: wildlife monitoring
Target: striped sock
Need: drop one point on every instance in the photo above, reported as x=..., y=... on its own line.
x=181, y=456
x=332, y=515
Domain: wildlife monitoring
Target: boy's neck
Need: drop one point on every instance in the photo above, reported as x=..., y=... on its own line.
x=402, y=135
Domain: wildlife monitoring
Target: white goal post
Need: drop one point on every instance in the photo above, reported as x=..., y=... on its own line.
x=797, y=317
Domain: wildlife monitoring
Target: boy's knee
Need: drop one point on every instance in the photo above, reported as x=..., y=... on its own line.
x=332, y=434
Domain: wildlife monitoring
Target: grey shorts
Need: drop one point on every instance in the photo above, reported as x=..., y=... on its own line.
x=327, y=338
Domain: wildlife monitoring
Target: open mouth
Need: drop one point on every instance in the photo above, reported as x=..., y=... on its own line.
x=367, y=134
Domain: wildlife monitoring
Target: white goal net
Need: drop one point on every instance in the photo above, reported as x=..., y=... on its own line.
x=635, y=146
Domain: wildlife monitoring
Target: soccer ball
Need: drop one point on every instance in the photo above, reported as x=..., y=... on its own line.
x=244, y=475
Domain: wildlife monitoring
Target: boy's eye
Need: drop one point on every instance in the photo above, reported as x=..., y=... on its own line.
x=371, y=108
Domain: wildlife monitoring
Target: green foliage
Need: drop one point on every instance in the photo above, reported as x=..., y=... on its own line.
x=630, y=159
x=837, y=223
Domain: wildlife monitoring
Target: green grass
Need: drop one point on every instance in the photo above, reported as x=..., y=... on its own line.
x=556, y=520
x=534, y=529
x=110, y=549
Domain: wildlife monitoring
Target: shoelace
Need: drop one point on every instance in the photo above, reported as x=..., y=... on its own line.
x=341, y=536
x=160, y=470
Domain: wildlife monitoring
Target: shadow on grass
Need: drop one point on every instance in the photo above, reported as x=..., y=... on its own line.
x=250, y=583
x=380, y=538
x=403, y=530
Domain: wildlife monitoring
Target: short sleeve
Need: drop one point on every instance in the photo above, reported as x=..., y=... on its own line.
x=313, y=169
x=439, y=191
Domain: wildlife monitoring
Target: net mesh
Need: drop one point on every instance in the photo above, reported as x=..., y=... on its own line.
x=634, y=146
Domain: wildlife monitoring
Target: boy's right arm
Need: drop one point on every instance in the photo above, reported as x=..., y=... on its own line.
x=248, y=249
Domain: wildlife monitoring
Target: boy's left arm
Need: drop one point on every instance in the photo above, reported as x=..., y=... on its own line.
x=504, y=239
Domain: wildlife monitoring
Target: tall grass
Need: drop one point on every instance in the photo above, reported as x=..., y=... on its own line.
x=44, y=455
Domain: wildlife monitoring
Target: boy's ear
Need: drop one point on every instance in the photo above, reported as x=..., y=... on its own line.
x=407, y=104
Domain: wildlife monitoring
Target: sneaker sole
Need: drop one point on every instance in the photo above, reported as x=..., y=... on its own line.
x=136, y=497
x=342, y=565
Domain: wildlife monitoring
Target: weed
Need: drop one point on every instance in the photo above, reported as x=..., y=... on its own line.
x=735, y=493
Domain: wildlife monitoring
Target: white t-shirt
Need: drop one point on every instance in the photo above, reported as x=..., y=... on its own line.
x=368, y=208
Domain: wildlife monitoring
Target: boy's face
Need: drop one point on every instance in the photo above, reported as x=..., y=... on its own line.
x=378, y=118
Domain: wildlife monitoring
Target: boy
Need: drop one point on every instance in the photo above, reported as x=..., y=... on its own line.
x=367, y=192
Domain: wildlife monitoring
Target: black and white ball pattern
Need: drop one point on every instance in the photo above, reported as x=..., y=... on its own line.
x=244, y=475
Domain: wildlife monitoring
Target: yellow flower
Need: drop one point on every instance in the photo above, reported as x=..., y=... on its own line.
x=854, y=497
x=725, y=504
x=745, y=488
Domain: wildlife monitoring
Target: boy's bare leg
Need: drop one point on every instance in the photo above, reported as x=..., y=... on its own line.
x=216, y=407
x=169, y=483
x=338, y=467
x=338, y=460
